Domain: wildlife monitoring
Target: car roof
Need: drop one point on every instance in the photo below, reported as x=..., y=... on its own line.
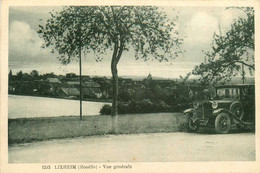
x=235, y=85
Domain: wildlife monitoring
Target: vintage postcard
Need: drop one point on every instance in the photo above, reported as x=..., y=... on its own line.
x=129, y=86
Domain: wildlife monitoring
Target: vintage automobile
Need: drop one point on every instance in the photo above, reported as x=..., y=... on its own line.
x=233, y=104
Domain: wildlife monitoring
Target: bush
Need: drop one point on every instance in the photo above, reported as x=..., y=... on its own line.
x=105, y=110
x=144, y=106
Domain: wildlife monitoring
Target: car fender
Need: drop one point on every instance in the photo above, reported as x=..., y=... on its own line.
x=217, y=111
x=235, y=102
x=228, y=112
x=188, y=110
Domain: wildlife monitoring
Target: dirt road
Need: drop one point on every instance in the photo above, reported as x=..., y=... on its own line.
x=158, y=147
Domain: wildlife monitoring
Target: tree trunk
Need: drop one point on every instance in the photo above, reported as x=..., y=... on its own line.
x=118, y=50
x=243, y=74
x=114, y=111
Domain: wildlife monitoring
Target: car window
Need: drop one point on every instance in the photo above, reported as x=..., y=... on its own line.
x=244, y=91
x=228, y=93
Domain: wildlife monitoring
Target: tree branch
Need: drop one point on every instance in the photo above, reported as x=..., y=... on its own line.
x=248, y=65
x=103, y=20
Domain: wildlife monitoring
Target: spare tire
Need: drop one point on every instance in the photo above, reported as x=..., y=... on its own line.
x=237, y=109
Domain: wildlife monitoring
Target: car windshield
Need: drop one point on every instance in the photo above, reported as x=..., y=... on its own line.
x=228, y=93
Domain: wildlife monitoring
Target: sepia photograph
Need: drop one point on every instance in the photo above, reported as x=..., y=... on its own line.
x=105, y=87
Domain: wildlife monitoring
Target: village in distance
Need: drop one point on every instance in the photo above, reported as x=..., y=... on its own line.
x=168, y=94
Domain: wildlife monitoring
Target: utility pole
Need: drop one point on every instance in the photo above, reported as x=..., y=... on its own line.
x=80, y=83
x=80, y=73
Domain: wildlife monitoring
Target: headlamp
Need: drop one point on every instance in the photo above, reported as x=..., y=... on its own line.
x=196, y=105
x=214, y=104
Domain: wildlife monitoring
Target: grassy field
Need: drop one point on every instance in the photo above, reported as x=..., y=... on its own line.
x=36, y=129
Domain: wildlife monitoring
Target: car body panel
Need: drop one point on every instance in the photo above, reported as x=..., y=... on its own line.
x=234, y=100
x=188, y=110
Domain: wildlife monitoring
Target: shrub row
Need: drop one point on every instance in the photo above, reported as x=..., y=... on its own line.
x=144, y=106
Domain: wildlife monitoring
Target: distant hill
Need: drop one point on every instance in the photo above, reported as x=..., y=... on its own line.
x=235, y=80
x=238, y=80
x=143, y=77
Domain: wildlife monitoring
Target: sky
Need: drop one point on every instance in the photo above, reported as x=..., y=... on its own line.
x=196, y=25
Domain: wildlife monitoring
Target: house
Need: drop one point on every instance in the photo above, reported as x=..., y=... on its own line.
x=90, y=89
x=69, y=92
x=86, y=78
x=53, y=80
x=105, y=86
x=50, y=86
x=91, y=93
x=76, y=78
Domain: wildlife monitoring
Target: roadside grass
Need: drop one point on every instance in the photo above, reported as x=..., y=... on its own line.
x=25, y=130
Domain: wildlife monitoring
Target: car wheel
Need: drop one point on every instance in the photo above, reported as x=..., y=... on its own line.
x=222, y=123
x=237, y=110
x=192, y=127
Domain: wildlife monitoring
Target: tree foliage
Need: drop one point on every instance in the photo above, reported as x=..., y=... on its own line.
x=101, y=28
x=67, y=32
x=20, y=75
x=10, y=75
x=145, y=29
x=230, y=51
x=34, y=73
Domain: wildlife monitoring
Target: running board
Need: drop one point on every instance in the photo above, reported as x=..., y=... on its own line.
x=239, y=121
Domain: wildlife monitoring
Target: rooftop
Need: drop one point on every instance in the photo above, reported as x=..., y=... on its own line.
x=53, y=80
